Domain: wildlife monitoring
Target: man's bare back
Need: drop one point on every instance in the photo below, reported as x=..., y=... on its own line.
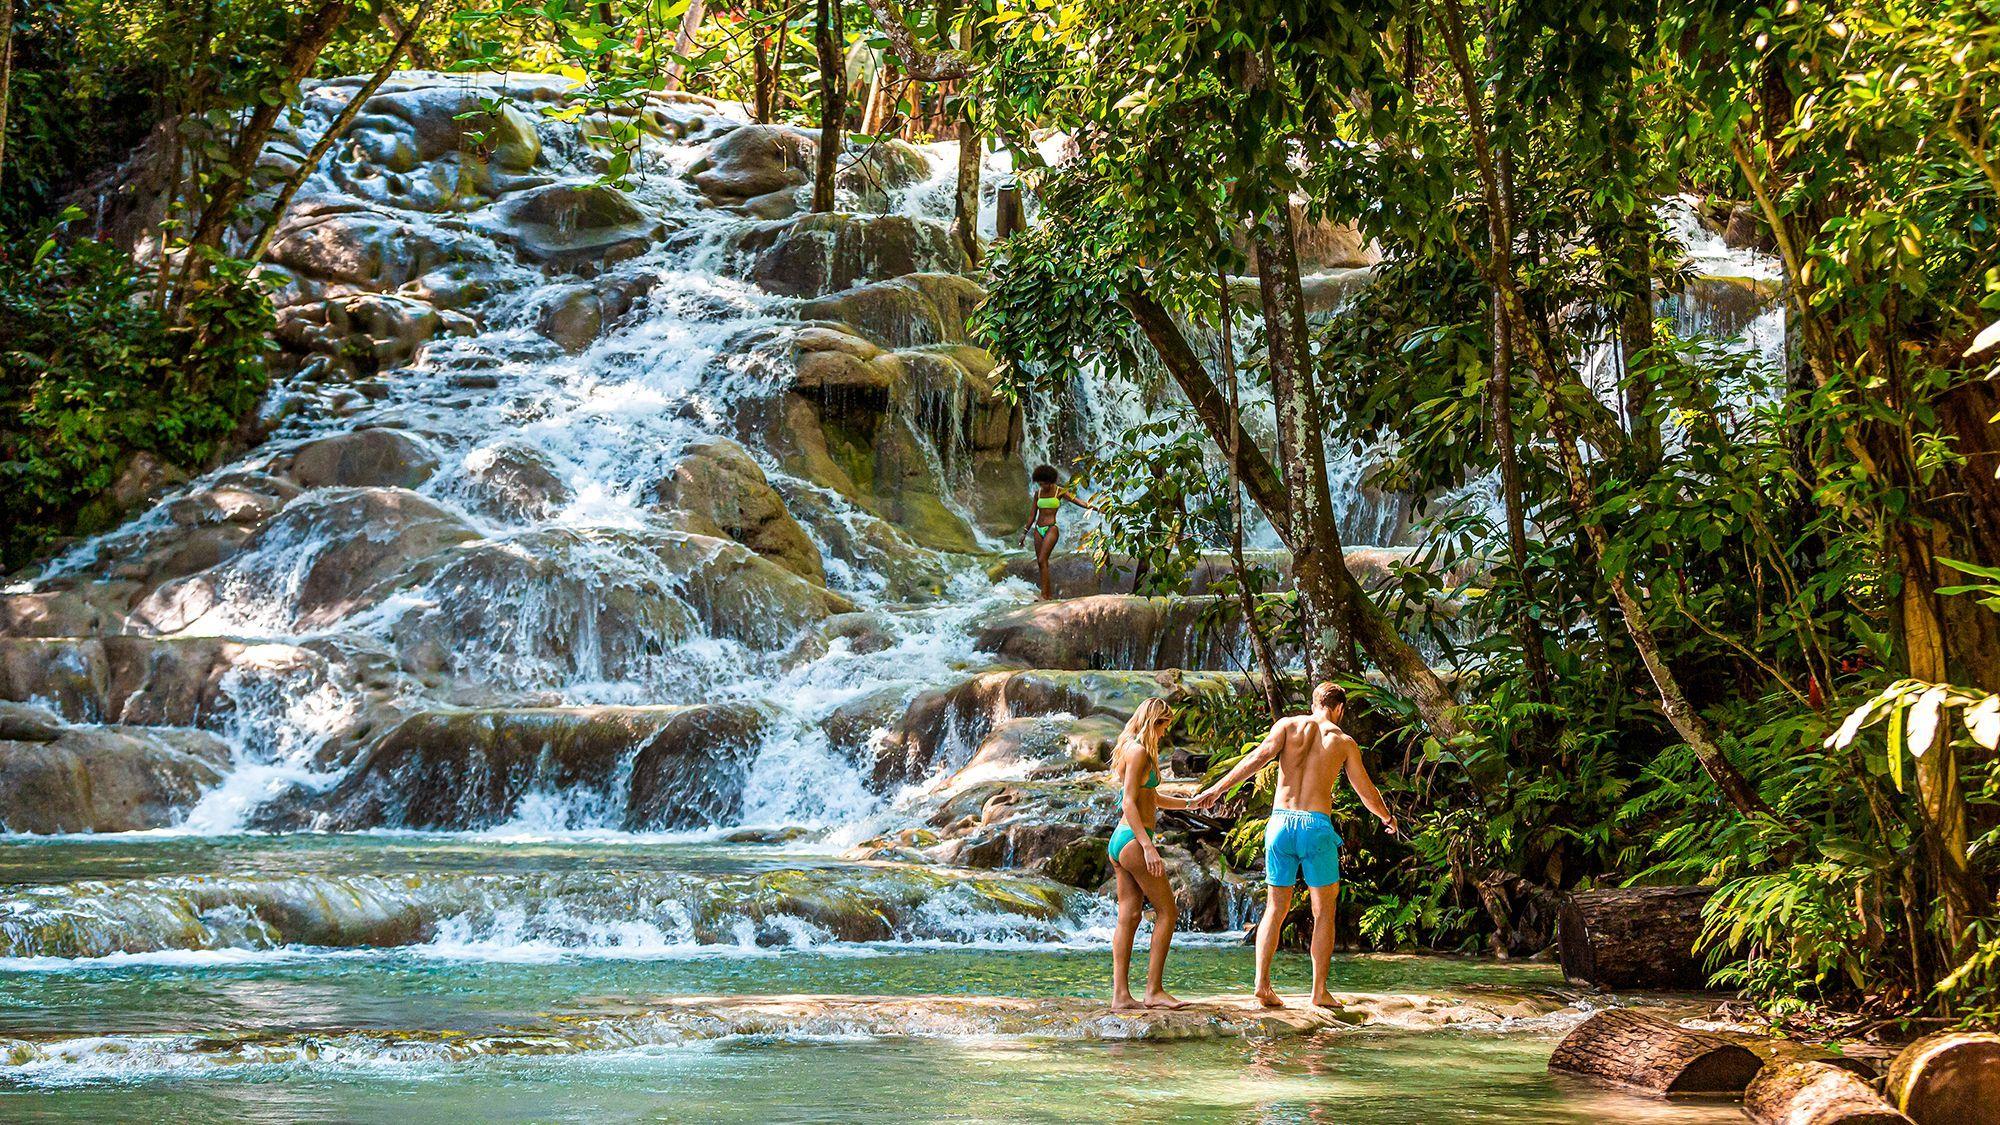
x=1311, y=755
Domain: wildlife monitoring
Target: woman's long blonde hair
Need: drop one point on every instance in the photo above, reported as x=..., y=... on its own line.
x=1141, y=734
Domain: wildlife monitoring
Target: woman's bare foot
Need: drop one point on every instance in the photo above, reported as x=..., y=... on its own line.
x=1164, y=1001
x=1126, y=1004
x=1324, y=1000
x=1269, y=998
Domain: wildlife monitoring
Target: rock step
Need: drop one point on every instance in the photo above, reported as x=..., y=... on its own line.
x=671, y=1022
x=1203, y=632
x=1075, y=574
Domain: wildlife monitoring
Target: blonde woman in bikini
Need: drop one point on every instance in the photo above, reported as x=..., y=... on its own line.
x=1049, y=495
x=1135, y=857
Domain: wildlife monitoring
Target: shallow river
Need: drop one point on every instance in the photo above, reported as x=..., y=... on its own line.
x=487, y=1030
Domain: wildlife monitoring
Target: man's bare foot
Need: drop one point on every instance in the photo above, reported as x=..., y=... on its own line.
x=1270, y=998
x=1325, y=1000
x=1126, y=1004
x=1164, y=1001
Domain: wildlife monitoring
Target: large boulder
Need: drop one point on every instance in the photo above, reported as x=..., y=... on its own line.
x=718, y=490
x=741, y=595
x=320, y=559
x=106, y=779
x=920, y=438
x=375, y=458
x=629, y=767
x=762, y=170
x=362, y=334
x=513, y=481
x=346, y=244
x=570, y=226
x=756, y=169
x=825, y=253
x=1121, y=631
x=437, y=143
x=1046, y=720
x=907, y=312
x=543, y=609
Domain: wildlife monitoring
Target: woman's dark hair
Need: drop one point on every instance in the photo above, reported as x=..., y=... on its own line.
x=1045, y=474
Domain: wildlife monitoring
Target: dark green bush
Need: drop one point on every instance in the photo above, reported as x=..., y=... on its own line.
x=92, y=371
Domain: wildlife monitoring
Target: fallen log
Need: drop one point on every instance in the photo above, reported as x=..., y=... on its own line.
x=1950, y=1078
x=1633, y=937
x=1810, y=1092
x=1648, y=1054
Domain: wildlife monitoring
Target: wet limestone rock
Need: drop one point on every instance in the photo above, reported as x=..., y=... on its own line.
x=372, y=458
x=106, y=779
x=540, y=609
x=342, y=542
x=580, y=227
x=439, y=143
x=719, y=490
x=740, y=594
x=637, y=767
x=341, y=243
x=29, y=722
x=824, y=253
x=756, y=169
x=760, y=170
x=917, y=310
x=159, y=681
x=513, y=481
x=1120, y=631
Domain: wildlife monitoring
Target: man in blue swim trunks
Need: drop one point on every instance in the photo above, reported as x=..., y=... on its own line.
x=1300, y=840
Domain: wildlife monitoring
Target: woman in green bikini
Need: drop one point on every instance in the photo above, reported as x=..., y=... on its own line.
x=1135, y=857
x=1049, y=495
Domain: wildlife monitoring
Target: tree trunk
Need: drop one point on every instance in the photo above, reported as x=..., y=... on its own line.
x=1267, y=660
x=1634, y=937
x=1404, y=667
x=684, y=41
x=1805, y=1092
x=393, y=23
x=768, y=52
x=1952, y=1076
x=1564, y=394
x=830, y=43
x=300, y=53
x=1648, y=1054
x=6, y=77
x=1513, y=498
x=1301, y=447
x=336, y=129
x=1009, y=214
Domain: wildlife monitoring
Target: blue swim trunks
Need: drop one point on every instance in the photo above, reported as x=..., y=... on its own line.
x=1296, y=841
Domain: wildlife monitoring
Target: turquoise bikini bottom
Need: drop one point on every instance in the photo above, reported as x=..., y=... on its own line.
x=1120, y=838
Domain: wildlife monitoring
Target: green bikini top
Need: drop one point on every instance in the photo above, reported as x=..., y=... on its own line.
x=1048, y=501
x=1153, y=777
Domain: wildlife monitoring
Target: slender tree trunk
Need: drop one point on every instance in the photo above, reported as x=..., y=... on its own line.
x=830, y=42
x=1404, y=667
x=684, y=41
x=1301, y=448
x=1512, y=497
x=1260, y=641
x=965, y=201
x=301, y=52
x=1561, y=392
x=6, y=76
x=768, y=48
x=393, y=23
x=337, y=128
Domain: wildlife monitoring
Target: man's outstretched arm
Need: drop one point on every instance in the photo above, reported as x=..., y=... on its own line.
x=1252, y=762
x=1364, y=787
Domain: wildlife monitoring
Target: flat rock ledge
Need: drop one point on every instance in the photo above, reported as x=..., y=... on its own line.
x=1076, y=1018
x=617, y=1024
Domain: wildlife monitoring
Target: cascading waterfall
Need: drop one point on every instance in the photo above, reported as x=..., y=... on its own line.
x=610, y=585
